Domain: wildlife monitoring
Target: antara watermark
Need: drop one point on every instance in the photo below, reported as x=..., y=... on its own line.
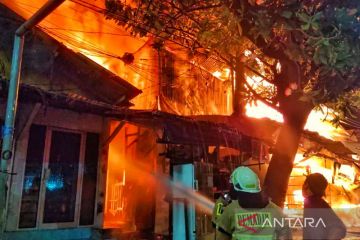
x=294, y=222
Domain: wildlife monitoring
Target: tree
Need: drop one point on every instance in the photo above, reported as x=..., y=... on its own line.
x=307, y=53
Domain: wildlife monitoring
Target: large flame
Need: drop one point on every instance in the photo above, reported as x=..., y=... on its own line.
x=81, y=26
x=340, y=192
x=84, y=29
x=345, y=174
x=318, y=121
x=134, y=177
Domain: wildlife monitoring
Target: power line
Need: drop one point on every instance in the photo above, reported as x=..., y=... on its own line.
x=89, y=32
x=90, y=49
x=102, y=11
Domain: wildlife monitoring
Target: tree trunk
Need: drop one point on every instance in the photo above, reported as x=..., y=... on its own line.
x=295, y=114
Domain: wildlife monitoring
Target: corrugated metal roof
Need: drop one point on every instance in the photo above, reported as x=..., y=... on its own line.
x=266, y=130
x=186, y=130
x=78, y=103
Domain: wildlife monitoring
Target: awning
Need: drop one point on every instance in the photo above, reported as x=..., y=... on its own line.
x=187, y=130
x=264, y=129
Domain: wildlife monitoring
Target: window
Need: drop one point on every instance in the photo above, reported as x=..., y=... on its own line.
x=61, y=177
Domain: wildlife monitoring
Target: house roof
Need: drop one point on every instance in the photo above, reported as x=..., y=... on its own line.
x=32, y=94
x=267, y=130
x=103, y=84
x=51, y=66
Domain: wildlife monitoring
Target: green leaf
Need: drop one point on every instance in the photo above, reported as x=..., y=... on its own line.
x=305, y=27
x=325, y=42
x=323, y=59
x=317, y=16
x=303, y=17
x=287, y=14
x=315, y=26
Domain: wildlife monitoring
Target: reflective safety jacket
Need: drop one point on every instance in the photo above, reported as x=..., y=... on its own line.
x=247, y=224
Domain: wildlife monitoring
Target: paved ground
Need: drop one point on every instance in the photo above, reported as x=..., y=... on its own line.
x=352, y=234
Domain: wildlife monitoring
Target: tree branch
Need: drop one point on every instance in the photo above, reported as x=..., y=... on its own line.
x=258, y=97
x=259, y=74
x=205, y=7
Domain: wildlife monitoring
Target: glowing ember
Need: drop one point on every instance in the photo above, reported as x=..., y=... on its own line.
x=298, y=197
x=217, y=74
x=260, y=110
x=344, y=178
x=298, y=158
x=316, y=123
x=348, y=172
x=346, y=205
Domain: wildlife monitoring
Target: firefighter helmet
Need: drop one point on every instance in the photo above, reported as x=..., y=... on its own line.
x=245, y=180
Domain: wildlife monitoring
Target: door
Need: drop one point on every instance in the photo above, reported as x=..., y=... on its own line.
x=56, y=159
x=60, y=192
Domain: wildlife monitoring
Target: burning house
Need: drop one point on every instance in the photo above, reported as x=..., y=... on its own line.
x=54, y=177
x=81, y=162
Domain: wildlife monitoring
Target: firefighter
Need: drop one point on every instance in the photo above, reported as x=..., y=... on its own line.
x=250, y=215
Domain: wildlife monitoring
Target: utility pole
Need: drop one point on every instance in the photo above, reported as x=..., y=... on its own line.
x=12, y=100
x=239, y=88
